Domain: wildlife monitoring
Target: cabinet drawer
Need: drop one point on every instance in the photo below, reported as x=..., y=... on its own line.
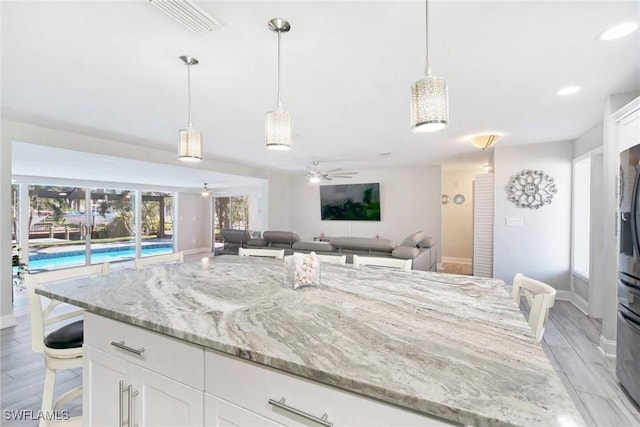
x=165, y=355
x=220, y=413
x=250, y=386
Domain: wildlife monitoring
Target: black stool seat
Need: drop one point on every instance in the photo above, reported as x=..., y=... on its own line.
x=68, y=336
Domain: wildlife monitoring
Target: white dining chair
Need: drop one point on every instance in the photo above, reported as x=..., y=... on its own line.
x=62, y=347
x=540, y=298
x=404, y=264
x=269, y=253
x=329, y=259
x=158, y=259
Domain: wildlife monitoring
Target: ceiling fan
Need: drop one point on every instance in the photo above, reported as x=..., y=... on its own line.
x=315, y=175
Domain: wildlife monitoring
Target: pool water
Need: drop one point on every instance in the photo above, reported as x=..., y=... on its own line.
x=75, y=258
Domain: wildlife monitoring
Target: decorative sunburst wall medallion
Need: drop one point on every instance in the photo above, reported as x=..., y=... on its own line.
x=531, y=189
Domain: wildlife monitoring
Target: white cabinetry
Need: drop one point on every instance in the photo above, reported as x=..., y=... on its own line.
x=256, y=395
x=220, y=413
x=162, y=385
x=133, y=376
x=629, y=125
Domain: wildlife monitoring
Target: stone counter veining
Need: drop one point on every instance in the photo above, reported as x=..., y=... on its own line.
x=452, y=346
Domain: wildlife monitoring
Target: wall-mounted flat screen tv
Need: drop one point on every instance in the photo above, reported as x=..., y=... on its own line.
x=350, y=202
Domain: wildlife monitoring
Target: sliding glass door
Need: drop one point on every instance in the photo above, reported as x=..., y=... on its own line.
x=112, y=225
x=157, y=223
x=74, y=226
x=230, y=212
x=55, y=227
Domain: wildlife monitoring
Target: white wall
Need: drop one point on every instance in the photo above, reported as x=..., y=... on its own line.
x=278, y=209
x=541, y=247
x=409, y=198
x=6, y=280
x=589, y=141
x=457, y=220
x=194, y=225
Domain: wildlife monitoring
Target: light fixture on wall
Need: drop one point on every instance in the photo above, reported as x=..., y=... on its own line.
x=429, y=97
x=205, y=190
x=278, y=122
x=484, y=141
x=190, y=139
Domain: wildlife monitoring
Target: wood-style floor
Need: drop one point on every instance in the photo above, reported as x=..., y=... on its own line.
x=570, y=342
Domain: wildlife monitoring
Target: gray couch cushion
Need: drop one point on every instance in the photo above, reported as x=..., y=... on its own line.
x=414, y=239
x=428, y=242
x=287, y=237
x=230, y=235
x=363, y=244
x=313, y=246
x=257, y=242
x=405, y=252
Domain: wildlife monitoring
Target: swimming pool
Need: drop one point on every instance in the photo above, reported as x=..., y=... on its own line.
x=75, y=258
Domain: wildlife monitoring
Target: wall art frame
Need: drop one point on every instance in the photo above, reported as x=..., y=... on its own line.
x=531, y=189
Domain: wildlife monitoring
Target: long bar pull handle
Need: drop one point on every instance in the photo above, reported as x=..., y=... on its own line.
x=120, y=405
x=132, y=393
x=122, y=346
x=282, y=405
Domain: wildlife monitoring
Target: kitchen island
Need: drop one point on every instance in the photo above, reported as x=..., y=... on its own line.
x=452, y=347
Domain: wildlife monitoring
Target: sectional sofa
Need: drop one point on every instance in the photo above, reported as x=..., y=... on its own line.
x=418, y=247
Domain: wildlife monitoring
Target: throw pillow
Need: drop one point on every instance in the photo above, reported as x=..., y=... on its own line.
x=405, y=252
x=413, y=239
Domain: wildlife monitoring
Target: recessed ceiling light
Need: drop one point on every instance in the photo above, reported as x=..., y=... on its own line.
x=619, y=30
x=569, y=90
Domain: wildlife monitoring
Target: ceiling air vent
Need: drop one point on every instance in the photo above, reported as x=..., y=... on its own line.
x=187, y=14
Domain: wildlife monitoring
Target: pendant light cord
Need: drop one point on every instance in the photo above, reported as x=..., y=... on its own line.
x=279, y=104
x=189, y=90
x=426, y=20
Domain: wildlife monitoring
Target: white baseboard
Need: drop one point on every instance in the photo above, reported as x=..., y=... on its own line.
x=580, y=303
x=607, y=347
x=456, y=260
x=574, y=299
x=439, y=266
x=7, y=321
x=196, y=251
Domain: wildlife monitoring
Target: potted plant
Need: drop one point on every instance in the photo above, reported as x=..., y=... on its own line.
x=16, y=261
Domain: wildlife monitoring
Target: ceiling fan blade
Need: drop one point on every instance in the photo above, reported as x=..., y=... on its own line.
x=342, y=175
x=327, y=178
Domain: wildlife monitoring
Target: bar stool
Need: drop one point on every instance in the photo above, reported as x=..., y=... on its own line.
x=540, y=297
x=62, y=348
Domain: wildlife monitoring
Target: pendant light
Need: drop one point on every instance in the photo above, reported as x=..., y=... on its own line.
x=429, y=98
x=190, y=139
x=205, y=191
x=278, y=122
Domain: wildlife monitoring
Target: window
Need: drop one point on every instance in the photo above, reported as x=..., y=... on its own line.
x=68, y=228
x=231, y=212
x=581, y=215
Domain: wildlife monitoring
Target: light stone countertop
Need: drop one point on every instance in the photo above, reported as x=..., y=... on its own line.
x=456, y=347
